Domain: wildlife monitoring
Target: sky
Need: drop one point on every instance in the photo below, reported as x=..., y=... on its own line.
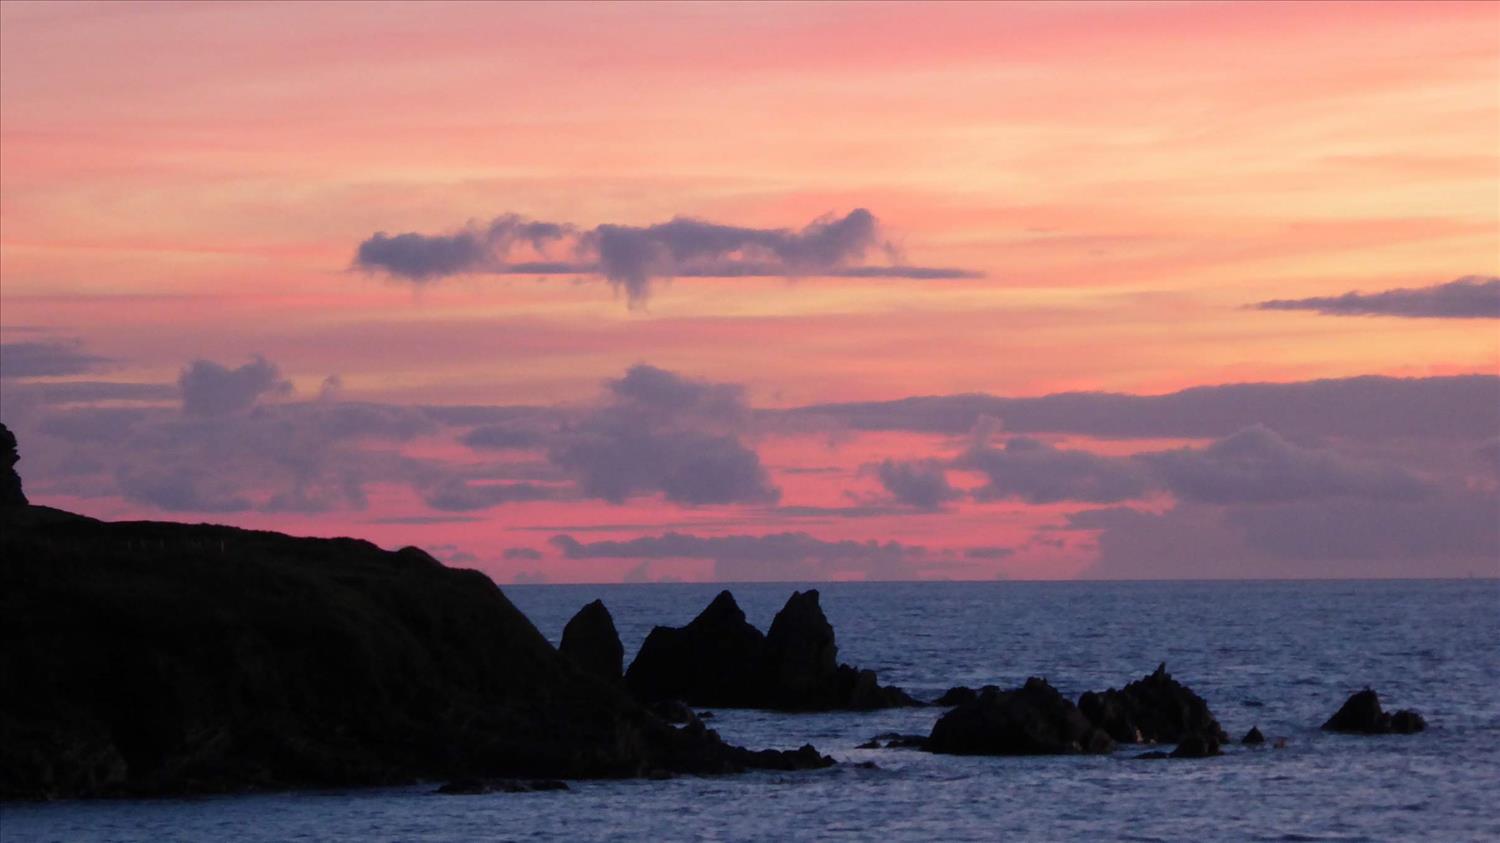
x=619, y=292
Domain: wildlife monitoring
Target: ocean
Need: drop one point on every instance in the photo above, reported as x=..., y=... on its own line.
x=1279, y=655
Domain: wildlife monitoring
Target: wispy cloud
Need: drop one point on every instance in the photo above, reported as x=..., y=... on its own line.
x=1470, y=297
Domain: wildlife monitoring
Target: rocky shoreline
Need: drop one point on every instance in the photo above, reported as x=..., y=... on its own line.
x=151, y=658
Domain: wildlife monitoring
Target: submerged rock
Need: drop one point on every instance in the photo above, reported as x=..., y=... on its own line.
x=719, y=659
x=591, y=641
x=1152, y=709
x=1253, y=737
x=1032, y=720
x=1362, y=714
x=1196, y=746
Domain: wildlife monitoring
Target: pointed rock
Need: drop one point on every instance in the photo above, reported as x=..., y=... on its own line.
x=1362, y=714
x=591, y=641
x=1153, y=709
x=710, y=662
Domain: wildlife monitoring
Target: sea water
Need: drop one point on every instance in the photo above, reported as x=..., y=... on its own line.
x=1279, y=655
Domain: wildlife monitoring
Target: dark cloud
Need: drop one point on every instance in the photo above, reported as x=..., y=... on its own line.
x=502, y=437
x=919, y=483
x=988, y=553
x=1256, y=465
x=632, y=257
x=49, y=358
x=661, y=433
x=211, y=389
x=791, y=556
x=1462, y=406
x=424, y=257
x=1039, y=473
x=527, y=553
x=1470, y=297
x=1442, y=535
x=457, y=495
x=179, y=488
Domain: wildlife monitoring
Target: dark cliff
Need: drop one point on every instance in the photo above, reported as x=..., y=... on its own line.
x=153, y=658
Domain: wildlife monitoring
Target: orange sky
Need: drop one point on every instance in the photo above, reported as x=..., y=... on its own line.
x=186, y=181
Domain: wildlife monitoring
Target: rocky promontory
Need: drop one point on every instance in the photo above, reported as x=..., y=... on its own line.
x=145, y=658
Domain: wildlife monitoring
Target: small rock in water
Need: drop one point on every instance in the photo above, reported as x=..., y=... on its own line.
x=871, y=744
x=1253, y=737
x=1362, y=714
x=1196, y=746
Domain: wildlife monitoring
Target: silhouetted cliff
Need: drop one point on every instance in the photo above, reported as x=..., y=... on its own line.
x=147, y=657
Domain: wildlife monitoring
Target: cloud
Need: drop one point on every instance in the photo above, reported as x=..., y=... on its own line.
x=1256, y=465
x=211, y=389
x=1442, y=535
x=48, y=358
x=530, y=578
x=1470, y=297
x=659, y=432
x=919, y=483
x=632, y=257
x=1453, y=407
x=424, y=257
x=526, y=553
x=457, y=495
x=1039, y=473
x=775, y=557
x=988, y=553
x=179, y=489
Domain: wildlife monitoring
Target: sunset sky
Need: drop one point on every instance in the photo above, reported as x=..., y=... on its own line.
x=590, y=293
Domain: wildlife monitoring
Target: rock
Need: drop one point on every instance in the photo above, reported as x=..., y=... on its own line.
x=1362, y=714
x=799, y=663
x=870, y=744
x=907, y=742
x=1407, y=722
x=149, y=658
x=719, y=659
x=1153, y=709
x=957, y=695
x=10, y=481
x=591, y=641
x=1253, y=737
x=1196, y=746
x=672, y=711
x=710, y=662
x=1032, y=720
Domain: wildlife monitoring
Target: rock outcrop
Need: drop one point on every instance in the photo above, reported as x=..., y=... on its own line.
x=720, y=659
x=157, y=658
x=1253, y=737
x=591, y=641
x=1362, y=714
x=1031, y=720
x=1153, y=709
x=10, y=481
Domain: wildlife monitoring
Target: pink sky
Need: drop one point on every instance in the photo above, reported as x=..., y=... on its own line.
x=1118, y=182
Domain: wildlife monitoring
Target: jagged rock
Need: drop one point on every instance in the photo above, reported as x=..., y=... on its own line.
x=710, y=662
x=1253, y=737
x=197, y=658
x=10, y=481
x=591, y=641
x=1362, y=714
x=1153, y=709
x=1031, y=720
x=799, y=663
x=721, y=660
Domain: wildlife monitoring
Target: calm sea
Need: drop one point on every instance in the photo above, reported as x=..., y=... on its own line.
x=1280, y=655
